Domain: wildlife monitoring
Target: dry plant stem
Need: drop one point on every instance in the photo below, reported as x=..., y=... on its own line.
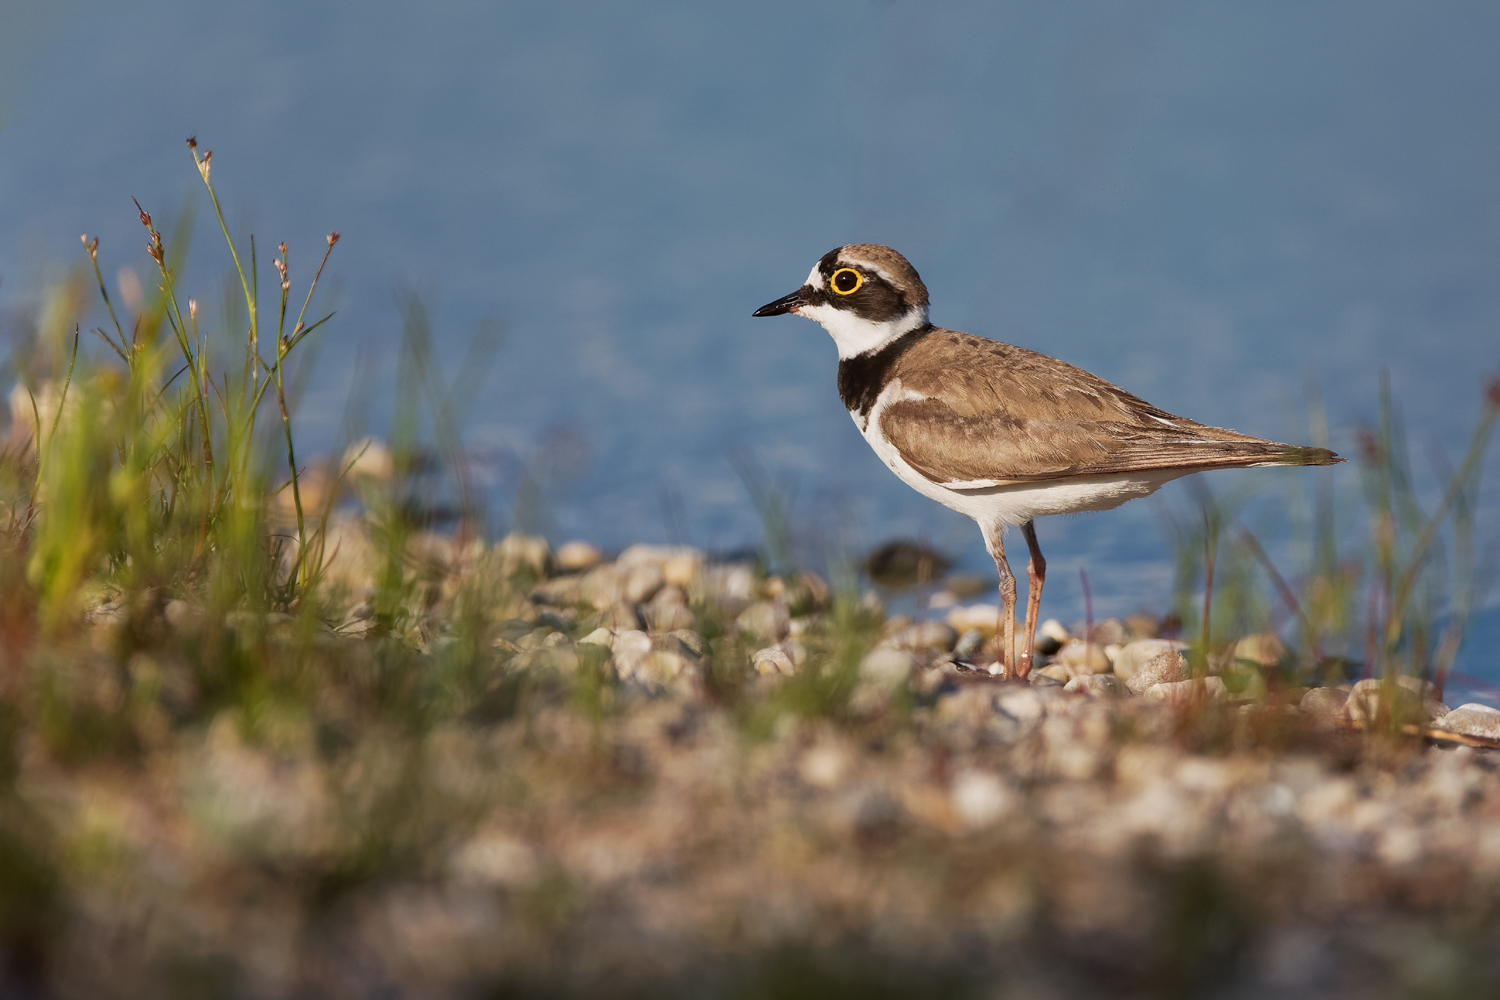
x=92, y=246
x=1288, y=596
x=1036, y=576
x=1088, y=615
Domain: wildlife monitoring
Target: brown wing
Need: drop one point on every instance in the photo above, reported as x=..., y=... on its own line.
x=1009, y=415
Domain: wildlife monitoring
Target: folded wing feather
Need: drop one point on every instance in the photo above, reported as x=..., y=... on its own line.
x=1009, y=415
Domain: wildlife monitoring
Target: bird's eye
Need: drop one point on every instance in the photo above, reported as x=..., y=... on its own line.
x=846, y=281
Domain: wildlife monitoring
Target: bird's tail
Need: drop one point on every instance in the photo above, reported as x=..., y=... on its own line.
x=1297, y=455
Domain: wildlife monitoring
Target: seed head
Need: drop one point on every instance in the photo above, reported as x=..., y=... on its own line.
x=192, y=142
x=1491, y=390
x=333, y=238
x=282, y=248
x=203, y=164
x=91, y=246
x=193, y=308
x=145, y=215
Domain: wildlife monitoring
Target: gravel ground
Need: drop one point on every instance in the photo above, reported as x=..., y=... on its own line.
x=683, y=779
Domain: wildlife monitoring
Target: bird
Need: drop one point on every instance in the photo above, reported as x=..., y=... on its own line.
x=997, y=432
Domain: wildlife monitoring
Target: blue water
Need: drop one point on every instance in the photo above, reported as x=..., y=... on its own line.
x=1213, y=205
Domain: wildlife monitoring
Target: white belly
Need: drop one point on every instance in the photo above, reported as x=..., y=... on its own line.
x=993, y=506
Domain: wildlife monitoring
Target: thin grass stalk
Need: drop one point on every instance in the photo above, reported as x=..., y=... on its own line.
x=92, y=247
x=1210, y=544
x=1288, y=596
x=1478, y=445
x=282, y=347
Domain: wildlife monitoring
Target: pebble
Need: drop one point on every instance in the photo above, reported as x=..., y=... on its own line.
x=602, y=586
x=729, y=580
x=182, y=615
x=681, y=565
x=1109, y=632
x=668, y=610
x=1264, y=649
x=660, y=668
x=1098, y=686
x=641, y=582
x=1083, y=658
x=1411, y=700
x=887, y=668
x=767, y=621
x=599, y=637
x=772, y=661
x=1472, y=719
x=691, y=641
x=923, y=636
x=629, y=649
x=1324, y=701
x=1164, y=667
x=1133, y=654
x=980, y=799
x=1198, y=689
x=577, y=556
x=518, y=552
x=1053, y=634
x=979, y=617
x=970, y=643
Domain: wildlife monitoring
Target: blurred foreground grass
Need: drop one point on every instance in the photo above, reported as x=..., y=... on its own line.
x=264, y=732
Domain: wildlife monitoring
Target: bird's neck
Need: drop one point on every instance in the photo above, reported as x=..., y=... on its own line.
x=862, y=377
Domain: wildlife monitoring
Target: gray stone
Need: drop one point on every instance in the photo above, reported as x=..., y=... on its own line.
x=1133, y=654
x=1472, y=719
x=1410, y=699
x=970, y=643
x=692, y=642
x=1163, y=668
x=924, y=636
x=1098, y=686
x=887, y=668
x=1198, y=689
x=1326, y=702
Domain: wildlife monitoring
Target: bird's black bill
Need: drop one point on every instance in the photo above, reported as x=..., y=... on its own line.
x=785, y=304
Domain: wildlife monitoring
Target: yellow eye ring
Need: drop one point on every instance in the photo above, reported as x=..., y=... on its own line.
x=840, y=284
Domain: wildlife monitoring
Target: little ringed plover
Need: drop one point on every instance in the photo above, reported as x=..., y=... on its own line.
x=994, y=431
